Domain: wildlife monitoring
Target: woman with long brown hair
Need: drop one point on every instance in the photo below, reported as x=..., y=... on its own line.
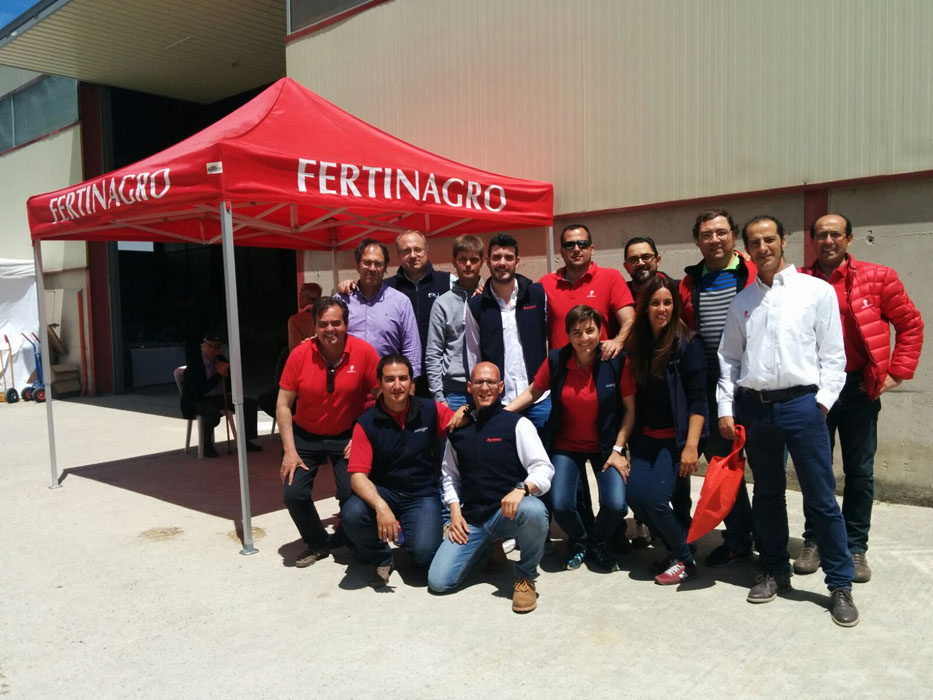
x=667, y=364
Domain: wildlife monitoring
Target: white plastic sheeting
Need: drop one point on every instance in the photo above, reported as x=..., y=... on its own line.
x=19, y=313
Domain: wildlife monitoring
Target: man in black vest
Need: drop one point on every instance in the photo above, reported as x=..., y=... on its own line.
x=493, y=470
x=507, y=325
x=393, y=472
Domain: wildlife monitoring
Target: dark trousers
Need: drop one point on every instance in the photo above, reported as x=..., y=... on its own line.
x=419, y=517
x=738, y=522
x=798, y=425
x=651, y=483
x=855, y=417
x=569, y=475
x=209, y=408
x=314, y=450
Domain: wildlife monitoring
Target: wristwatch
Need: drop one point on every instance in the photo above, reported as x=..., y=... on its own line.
x=620, y=449
x=521, y=485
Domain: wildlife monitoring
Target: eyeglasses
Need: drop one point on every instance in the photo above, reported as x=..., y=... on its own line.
x=635, y=259
x=485, y=382
x=570, y=245
x=331, y=373
x=709, y=235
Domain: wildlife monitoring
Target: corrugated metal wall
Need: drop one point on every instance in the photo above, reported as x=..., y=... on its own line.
x=627, y=102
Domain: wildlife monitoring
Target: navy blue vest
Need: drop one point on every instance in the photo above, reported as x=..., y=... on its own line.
x=531, y=316
x=607, y=377
x=422, y=296
x=487, y=457
x=404, y=460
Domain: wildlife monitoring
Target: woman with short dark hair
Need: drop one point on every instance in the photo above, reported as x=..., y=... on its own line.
x=591, y=413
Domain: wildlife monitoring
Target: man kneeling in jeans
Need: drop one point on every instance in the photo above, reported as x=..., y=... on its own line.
x=393, y=472
x=493, y=470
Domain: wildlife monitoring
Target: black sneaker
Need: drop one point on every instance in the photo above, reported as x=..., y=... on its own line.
x=577, y=553
x=723, y=556
x=380, y=575
x=767, y=588
x=603, y=557
x=843, y=610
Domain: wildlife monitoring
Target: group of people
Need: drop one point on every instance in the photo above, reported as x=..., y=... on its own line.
x=513, y=386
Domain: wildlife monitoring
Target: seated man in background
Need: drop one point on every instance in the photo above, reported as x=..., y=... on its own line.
x=203, y=393
x=393, y=472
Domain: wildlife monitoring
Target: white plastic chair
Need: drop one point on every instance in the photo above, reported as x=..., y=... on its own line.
x=179, y=375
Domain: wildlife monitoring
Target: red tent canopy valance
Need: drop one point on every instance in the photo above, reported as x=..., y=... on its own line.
x=299, y=173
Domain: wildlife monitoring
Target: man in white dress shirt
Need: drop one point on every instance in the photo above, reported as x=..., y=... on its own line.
x=782, y=365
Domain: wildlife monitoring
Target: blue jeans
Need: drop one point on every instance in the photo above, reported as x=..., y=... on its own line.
x=569, y=467
x=456, y=399
x=797, y=424
x=419, y=516
x=855, y=417
x=453, y=561
x=651, y=482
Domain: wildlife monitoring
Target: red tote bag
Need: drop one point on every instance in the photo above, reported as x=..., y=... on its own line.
x=720, y=486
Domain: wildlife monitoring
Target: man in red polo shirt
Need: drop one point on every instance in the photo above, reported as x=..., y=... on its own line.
x=581, y=281
x=331, y=375
x=871, y=300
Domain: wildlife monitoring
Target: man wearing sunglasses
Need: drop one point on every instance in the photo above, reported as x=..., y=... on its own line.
x=331, y=375
x=582, y=281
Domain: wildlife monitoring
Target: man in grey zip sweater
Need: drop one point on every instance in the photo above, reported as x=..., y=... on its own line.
x=445, y=354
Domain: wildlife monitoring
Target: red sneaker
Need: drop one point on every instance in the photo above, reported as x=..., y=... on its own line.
x=678, y=572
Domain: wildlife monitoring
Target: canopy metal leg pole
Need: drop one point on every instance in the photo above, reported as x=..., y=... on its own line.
x=550, y=249
x=46, y=361
x=236, y=372
x=333, y=258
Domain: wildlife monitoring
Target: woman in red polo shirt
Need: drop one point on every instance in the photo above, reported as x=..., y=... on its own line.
x=331, y=374
x=667, y=363
x=592, y=412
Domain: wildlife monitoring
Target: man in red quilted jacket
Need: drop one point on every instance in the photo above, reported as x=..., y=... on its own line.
x=871, y=299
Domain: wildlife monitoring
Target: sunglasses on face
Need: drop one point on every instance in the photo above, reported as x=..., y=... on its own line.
x=570, y=245
x=331, y=373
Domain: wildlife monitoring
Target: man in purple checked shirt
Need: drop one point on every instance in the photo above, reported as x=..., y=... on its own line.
x=380, y=315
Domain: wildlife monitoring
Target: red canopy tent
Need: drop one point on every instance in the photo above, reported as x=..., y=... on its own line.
x=286, y=170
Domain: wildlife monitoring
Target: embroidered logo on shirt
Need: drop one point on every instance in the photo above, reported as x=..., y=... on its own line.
x=865, y=303
x=610, y=385
x=432, y=295
x=746, y=313
x=493, y=439
x=529, y=307
x=352, y=369
x=592, y=294
x=421, y=430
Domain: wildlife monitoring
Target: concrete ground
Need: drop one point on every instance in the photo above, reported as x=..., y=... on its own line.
x=127, y=582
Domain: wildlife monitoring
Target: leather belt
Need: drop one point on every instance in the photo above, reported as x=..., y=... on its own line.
x=779, y=395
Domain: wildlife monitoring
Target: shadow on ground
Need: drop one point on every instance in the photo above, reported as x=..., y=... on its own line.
x=208, y=486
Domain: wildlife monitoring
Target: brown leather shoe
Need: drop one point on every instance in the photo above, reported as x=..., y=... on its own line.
x=809, y=560
x=380, y=575
x=524, y=598
x=310, y=556
x=862, y=570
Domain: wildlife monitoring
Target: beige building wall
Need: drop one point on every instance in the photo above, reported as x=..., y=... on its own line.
x=629, y=102
x=48, y=164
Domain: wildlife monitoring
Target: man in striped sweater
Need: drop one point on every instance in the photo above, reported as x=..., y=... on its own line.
x=706, y=291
